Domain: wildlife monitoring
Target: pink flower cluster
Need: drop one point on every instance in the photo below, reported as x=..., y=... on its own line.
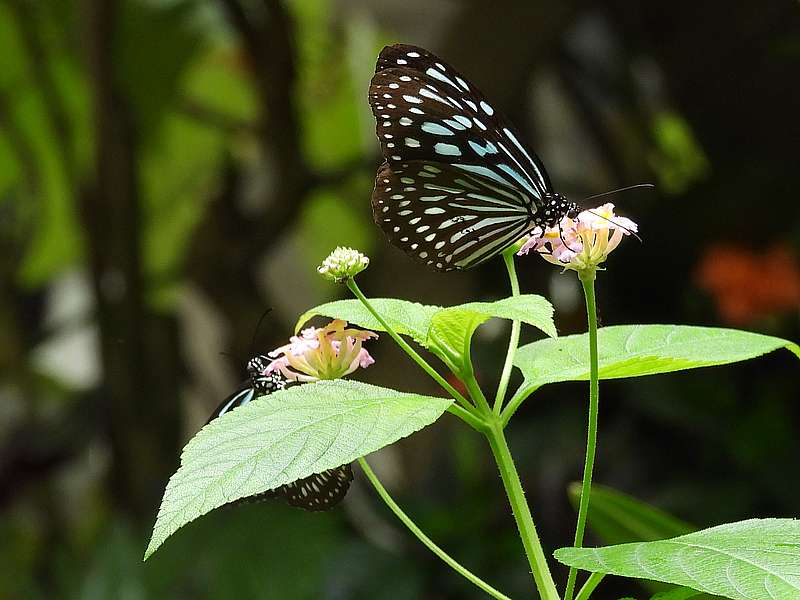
x=329, y=352
x=583, y=242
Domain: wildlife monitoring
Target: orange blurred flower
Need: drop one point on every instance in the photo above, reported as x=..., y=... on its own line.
x=746, y=285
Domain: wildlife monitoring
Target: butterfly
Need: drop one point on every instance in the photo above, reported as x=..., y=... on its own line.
x=321, y=491
x=457, y=187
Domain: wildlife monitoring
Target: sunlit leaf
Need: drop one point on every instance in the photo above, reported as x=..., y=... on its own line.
x=637, y=350
x=283, y=437
x=451, y=329
x=758, y=558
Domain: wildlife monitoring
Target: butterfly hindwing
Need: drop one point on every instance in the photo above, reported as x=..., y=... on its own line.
x=321, y=491
x=447, y=219
x=429, y=116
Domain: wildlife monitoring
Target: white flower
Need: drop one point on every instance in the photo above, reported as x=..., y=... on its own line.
x=329, y=352
x=342, y=264
x=583, y=242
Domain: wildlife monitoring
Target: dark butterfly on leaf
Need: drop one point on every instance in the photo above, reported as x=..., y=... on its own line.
x=457, y=186
x=321, y=491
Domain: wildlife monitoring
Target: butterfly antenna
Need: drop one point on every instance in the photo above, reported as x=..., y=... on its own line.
x=625, y=189
x=255, y=331
x=615, y=224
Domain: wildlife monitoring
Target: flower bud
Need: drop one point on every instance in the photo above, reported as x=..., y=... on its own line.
x=342, y=264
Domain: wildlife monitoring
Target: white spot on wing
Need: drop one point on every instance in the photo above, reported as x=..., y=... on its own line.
x=429, y=94
x=446, y=149
x=440, y=76
x=435, y=129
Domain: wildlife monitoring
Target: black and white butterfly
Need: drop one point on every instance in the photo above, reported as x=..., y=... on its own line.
x=457, y=186
x=321, y=491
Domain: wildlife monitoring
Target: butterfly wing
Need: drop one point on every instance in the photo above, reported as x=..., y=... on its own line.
x=431, y=120
x=321, y=491
x=454, y=220
x=240, y=397
x=318, y=492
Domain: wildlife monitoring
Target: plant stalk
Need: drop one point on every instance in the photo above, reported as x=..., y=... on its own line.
x=406, y=520
x=591, y=583
x=513, y=342
x=587, y=278
x=522, y=514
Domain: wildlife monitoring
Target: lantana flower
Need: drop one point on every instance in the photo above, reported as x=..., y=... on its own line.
x=343, y=263
x=329, y=352
x=583, y=242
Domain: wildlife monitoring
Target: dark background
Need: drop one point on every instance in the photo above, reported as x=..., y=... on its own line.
x=170, y=169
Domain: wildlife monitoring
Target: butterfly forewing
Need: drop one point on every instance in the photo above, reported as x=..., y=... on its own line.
x=429, y=115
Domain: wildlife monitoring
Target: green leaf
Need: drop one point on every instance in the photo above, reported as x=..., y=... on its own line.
x=406, y=318
x=681, y=593
x=283, y=437
x=528, y=308
x=617, y=518
x=451, y=330
x=758, y=558
x=636, y=350
x=450, y=337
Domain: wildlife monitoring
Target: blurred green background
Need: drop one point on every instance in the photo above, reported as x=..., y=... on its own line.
x=170, y=169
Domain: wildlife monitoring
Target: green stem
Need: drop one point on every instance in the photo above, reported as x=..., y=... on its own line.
x=588, y=587
x=522, y=513
x=408, y=349
x=587, y=279
x=476, y=393
x=468, y=417
x=516, y=400
x=406, y=520
x=513, y=341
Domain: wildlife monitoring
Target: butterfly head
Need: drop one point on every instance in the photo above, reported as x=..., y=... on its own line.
x=556, y=207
